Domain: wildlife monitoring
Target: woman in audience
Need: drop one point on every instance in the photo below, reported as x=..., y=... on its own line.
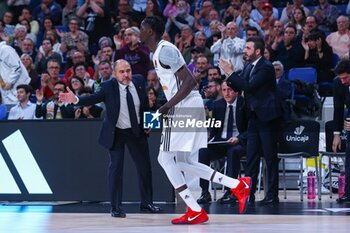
x=152, y=8
x=76, y=84
x=80, y=71
x=26, y=23
x=28, y=64
x=47, y=54
x=152, y=99
x=298, y=19
x=74, y=40
x=46, y=26
x=56, y=45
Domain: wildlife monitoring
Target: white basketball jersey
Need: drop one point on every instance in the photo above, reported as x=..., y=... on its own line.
x=170, y=83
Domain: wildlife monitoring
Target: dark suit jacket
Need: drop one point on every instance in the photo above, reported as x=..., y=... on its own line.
x=219, y=112
x=341, y=97
x=109, y=94
x=261, y=92
x=66, y=111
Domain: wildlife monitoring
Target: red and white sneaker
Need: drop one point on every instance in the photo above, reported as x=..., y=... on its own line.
x=242, y=192
x=191, y=217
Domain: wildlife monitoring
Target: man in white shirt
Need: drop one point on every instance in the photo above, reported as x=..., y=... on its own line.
x=24, y=110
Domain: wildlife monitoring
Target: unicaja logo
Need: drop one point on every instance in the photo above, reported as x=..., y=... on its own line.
x=298, y=137
x=299, y=130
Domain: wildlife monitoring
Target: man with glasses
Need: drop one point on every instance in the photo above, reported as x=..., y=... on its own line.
x=49, y=79
x=77, y=57
x=53, y=108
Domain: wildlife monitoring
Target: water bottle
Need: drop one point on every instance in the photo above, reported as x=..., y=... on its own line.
x=341, y=184
x=311, y=185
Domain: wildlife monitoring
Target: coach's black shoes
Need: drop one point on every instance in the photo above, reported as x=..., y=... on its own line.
x=150, y=208
x=205, y=197
x=117, y=213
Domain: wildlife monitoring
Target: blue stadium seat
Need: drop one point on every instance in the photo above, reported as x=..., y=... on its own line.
x=307, y=74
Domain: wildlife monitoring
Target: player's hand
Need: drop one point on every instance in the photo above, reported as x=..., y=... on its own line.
x=164, y=109
x=67, y=97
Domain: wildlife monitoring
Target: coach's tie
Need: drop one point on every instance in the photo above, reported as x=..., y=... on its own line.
x=132, y=113
x=230, y=123
x=250, y=69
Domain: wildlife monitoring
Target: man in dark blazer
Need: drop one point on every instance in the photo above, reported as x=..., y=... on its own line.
x=125, y=100
x=341, y=98
x=235, y=136
x=258, y=82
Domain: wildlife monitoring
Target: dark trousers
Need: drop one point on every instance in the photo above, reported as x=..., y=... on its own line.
x=138, y=148
x=347, y=165
x=262, y=141
x=215, y=152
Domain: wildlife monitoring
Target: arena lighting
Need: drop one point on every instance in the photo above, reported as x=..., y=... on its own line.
x=26, y=166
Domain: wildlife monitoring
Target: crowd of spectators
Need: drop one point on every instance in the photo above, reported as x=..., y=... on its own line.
x=74, y=43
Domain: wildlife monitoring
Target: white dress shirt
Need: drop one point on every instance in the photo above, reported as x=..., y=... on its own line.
x=124, y=119
x=26, y=113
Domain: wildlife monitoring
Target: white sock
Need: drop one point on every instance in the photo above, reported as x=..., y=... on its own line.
x=187, y=196
x=225, y=180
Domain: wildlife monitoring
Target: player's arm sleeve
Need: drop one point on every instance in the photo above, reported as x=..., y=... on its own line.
x=171, y=58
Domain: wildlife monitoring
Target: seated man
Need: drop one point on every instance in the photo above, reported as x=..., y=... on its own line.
x=230, y=111
x=24, y=109
x=53, y=108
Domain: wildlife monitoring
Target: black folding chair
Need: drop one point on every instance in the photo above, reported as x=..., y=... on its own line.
x=300, y=139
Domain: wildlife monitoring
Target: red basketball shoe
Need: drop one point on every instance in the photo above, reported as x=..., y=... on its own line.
x=242, y=192
x=191, y=217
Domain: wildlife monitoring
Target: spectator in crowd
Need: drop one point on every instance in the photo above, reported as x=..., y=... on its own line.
x=214, y=73
x=104, y=71
x=230, y=111
x=326, y=16
x=152, y=8
x=243, y=22
x=212, y=92
x=97, y=21
x=90, y=111
x=77, y=57
x=230, y=47
x=47, y=25
x=30, y=67
x=298, y=19
x=53, y=108
x=287, y=12
x=268, y=53
x=80, y=70
x=267, y=21
x=8, y=19
x=319, y=54
x=134, y=52
x=34, y=25
x=76, y=84
x=49, y=79
x=340, y=40
x=284, y=89
x=26, y=23
x=48, y=8
x=289, y=51
x=201, y=72
x=185, y=39
x=199, y=44
x=24, y=109
x=153, y=104
x=56, y=45
x=153, y=81
x=12, y=73
x=122, y=127
x=3, y=35
x=105, y=53
x=69, y=11
x=28, y=47
x=74, y=40
x=231, y=13
x=175, y=23
x=203, y=18
x=19, y=35
x=46, y=55
x=3, y=109
x=215, y=33
x=258, y=13
x=252, y=32
x=310, y=26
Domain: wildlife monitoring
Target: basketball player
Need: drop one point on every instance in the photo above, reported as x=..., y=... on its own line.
x=178, y=150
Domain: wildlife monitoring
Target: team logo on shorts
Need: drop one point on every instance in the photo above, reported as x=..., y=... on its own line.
x=151, y=120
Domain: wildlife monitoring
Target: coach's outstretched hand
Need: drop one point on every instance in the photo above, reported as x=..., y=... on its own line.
x=68, y=97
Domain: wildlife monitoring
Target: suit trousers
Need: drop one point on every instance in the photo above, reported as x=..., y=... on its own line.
x=347, y=165
x=215, y=152
x=138, y=148
x=262, y=142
